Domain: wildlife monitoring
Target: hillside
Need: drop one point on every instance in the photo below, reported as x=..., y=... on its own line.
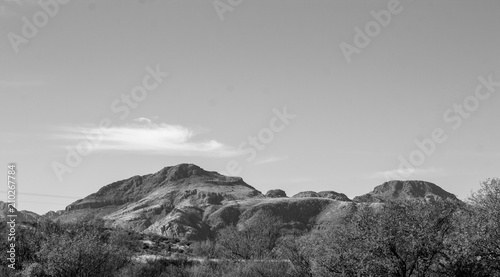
x=169, y=202
x=22, y=216
x=186, y=201
x=404, y=190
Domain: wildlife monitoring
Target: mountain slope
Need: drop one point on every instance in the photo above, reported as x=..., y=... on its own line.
x=403, y=190
x=22, y=216
x=169, y=202
x=186, y=201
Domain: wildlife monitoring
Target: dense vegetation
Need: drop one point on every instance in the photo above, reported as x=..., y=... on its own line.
x=403, y=238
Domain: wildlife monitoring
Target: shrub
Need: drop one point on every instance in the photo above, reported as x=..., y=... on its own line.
x=256, y=241
x=156, y=268
x=81, y=255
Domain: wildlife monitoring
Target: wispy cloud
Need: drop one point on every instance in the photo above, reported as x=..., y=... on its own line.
x=272, y=159
x=144, y=136
x=408, y=173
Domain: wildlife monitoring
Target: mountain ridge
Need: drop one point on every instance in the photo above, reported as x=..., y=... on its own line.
x=404, y=190
x=189, y=202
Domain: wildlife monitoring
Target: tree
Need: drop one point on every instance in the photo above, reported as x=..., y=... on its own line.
x=255, y=241
x=461, y=255
x=351, y=247
x=404, y=238
x=485, y=223
x=298, y=249
x=82, y=253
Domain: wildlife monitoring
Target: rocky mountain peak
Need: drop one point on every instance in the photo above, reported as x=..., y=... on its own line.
x=182, y=171
x=323, y=194
x=275, y=193
x=412, y=189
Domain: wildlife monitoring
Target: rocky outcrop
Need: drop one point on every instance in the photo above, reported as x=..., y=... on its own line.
x=306, y=194
x=323, y=194
x=333, y=195
x=295, y=213
x=53, y=214
x=185, y=179
x=185, y=201
x=404, y=190
x=170, y=202
x=276, y=193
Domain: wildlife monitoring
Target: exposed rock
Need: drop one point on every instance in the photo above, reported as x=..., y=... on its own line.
x=306, y=194
x=369, y=198
x=333, y=195
x=53, y=214
x=185, y=201
x=170, y=202
x=276, y=193
x=404, y=190
x=323, y=194
x=296, y=213
x=174, y=178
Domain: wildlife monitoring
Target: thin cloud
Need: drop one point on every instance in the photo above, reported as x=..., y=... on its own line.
x=143, y=120
x=144, y=136
x=271, y=160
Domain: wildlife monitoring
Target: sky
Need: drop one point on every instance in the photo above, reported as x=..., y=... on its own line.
x=297, y=95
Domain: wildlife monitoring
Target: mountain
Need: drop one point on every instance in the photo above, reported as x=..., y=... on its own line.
x=170, y=202
x=404, y=190
x=323, y=194
x=22, y=216
x=186, y=201
x=183, y=180
x=276, y=193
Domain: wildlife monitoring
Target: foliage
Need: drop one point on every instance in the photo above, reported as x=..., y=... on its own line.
x=402, y=238
x=256, y=241
x=205, y=249
x=298, y=250
x=399, y=239
x=156, y=268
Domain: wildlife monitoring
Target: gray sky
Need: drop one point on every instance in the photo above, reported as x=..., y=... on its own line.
x=191, y=81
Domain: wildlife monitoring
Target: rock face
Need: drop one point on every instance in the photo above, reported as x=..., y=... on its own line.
x=185, y=201
x=53, y=214
x=403, y=190
x=333, y=195
x=170, y=202
x=186, y=179
x=276, y=193
x=323, y=194
x=296, y=213
x=306, y=194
